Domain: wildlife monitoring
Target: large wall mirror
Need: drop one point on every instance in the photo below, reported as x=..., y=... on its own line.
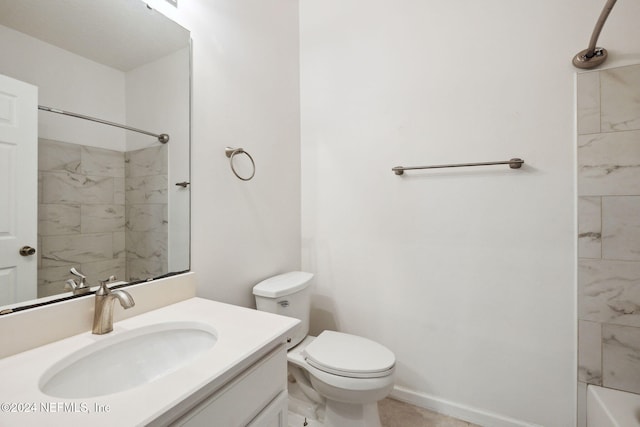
x=107, y=199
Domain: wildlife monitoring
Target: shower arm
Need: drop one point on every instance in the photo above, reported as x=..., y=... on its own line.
x=593, y=56
x=598, y=28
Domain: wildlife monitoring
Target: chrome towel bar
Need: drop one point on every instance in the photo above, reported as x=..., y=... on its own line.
x=514, y=163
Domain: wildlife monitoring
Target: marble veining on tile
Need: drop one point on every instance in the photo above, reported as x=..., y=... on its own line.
x=609, y=164
x=621, y=357
x=58, y=156
x=621, y=228
x=151, y=218
x=608, y=161
x=101, y=162
x=620, y=98
x=76, y=249
x=146, y=228
x=143, y=245
x=67, y=187
x=119, y=191
x=102, y=218
x=590, y=352
x=138, y=269
x=51, y=279
x=147, y=161
x=146, y=189
x=589, y=227
x=609, y=292
x=56, y=219
x=81, y=191
x=101, y=270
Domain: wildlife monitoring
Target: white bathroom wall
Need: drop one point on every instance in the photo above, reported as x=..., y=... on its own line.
x=69, y=82
x=245, y=94
x=468, y=275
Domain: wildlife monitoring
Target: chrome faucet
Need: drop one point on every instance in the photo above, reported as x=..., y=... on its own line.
x=103, y=314
x=78, y=287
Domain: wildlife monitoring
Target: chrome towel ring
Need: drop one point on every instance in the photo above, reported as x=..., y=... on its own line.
x=231, y=153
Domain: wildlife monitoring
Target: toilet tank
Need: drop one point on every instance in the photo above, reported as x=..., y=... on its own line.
x=288, y=295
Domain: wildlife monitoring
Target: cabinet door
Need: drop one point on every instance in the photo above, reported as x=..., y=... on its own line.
x=239, y=401
x=274, y=415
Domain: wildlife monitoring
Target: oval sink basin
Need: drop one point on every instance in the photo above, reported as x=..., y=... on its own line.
x=128, y=359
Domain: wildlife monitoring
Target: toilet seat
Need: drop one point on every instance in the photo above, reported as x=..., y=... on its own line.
x=349, y=356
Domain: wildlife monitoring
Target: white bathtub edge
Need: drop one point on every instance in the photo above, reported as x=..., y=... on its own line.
x=612, y=408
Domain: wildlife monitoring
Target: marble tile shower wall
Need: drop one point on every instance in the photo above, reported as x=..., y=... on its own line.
x=609, y=228
x=81, y=213
x=146, y=229
x=101, y=211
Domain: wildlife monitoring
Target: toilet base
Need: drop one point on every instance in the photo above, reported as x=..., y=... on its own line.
x=339, y=414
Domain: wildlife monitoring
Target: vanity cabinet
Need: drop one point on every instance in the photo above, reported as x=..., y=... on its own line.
x=257, y=397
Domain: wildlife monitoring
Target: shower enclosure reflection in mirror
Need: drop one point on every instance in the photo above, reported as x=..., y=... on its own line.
x=101, y=196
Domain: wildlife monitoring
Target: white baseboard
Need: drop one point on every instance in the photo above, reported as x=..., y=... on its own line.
x=456, y=410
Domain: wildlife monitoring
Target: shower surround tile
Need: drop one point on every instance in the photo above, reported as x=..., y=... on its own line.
x=588, y=85
x=77, y=218
x=101, y=162
x=67, y=187
x=146, y=230
x=621, y=357
x=621, y=228
x=58, y=156
x=608, y=161
x=119, y=191
x=609, y=164
x=51, y=279
x=142, y=245
x=58, y=219
x=101, y=270
x=138, y=269
x=590, y=352
x=102, y=218
x=76, y=249
x=620, y=99
x=589, y=227
x=151, y=218
x=146, y=189
x=83, y=222
x=119, y=247
x=146, y=162
x=609, y=292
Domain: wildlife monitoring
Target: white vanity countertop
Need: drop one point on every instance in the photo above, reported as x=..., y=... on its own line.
x=243, y=336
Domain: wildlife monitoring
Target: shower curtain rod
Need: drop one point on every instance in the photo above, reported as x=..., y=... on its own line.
x=163, y=138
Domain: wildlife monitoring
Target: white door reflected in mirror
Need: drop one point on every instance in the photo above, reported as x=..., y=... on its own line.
x=18, y=190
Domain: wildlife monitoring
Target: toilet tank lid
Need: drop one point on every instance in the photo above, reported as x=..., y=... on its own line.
x=282, y=284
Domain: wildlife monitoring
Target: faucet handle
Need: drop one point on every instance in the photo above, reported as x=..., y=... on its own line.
x=75, y=287
x=109, y=279
x=79, y=274
x=70, y=285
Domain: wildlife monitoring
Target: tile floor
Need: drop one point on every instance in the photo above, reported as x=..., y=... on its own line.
x=394, y=413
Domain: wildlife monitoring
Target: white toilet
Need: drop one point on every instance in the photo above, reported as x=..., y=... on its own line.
x=343, y=375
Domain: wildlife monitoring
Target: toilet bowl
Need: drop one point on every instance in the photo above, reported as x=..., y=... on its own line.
x=345, y=375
